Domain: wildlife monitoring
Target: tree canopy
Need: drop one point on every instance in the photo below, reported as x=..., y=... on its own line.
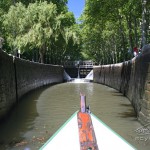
x=112, y=28
x=46, y=31
x=41, y=27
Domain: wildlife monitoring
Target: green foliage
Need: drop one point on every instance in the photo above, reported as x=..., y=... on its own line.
x=108, y=32
x=110, y=29
x=40, y=27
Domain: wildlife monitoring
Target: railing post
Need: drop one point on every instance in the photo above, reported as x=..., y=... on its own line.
x=83, y=103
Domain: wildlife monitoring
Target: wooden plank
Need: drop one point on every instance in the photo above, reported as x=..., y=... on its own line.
x=86, y=132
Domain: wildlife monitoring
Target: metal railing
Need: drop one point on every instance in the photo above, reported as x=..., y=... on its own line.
x=80, y=64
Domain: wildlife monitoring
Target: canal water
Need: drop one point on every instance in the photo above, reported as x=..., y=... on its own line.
x=41, y=112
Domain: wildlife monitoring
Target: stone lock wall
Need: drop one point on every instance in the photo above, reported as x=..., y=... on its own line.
x=18, y=76
x=132, y=78
x=7, y=83
x=144, y=114
x=31, y=75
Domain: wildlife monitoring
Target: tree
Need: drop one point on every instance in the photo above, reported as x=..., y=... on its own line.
x=111, y=29
x=143, y=22
x=39, y=26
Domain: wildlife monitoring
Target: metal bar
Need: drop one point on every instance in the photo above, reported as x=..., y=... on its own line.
x=83, y=103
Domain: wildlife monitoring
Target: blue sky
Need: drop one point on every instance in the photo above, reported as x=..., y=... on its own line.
x=76, y=6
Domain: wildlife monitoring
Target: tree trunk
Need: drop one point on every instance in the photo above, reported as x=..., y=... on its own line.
x=148, y=23
x=41, y=59
x=129, y=22
x=135, y=31
x=122, y=36
x=42, y=53
x=143, y=22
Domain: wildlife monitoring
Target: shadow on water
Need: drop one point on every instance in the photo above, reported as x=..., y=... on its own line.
x=129, y=112
x=20, y=120
x=116, y=93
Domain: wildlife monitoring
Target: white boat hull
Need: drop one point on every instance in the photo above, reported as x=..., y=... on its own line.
x=67, y=137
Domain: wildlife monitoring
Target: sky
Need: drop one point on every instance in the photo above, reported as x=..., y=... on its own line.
x=76, y=6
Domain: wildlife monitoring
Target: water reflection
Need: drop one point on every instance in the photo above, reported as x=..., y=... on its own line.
x=20, y=120
x=79, y=80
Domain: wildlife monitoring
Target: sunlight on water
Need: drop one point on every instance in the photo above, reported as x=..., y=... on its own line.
x=81, y=80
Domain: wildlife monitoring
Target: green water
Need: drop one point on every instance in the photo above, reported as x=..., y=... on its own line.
x=41, y=112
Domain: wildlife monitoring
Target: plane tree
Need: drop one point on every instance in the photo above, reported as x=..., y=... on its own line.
x=112, y=28
x=40, y=27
